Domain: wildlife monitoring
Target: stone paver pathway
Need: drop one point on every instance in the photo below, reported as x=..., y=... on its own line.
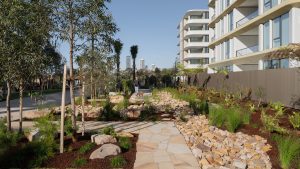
x=161, y=146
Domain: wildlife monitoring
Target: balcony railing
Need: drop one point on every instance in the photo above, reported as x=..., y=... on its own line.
x=246, y=51
x=246, y=19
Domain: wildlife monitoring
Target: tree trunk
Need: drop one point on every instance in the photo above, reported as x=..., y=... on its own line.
x=21, y=106
x=133, y=69
x=62, y=114
x=92, y=89
x=82, y=104
x=8, y=106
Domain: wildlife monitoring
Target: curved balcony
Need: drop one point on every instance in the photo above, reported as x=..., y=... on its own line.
x=189, y=45
x=247, y=51
x=196, y=56
x=197, y=21
x=247, y=19
x=196, y=33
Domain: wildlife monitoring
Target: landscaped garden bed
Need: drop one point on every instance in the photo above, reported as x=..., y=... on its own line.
x=268, y=134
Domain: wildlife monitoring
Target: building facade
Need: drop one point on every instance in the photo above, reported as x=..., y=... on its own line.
x=194, y=36
x=128, y=62
x=142, y=64
x=244, y=31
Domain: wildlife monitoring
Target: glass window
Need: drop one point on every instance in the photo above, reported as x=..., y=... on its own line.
x=206, y=38
x=195, y=61
x=196, y=17
x=231, y=21
x=267, y=5
x=195, y=50
x=285, y=29
x=276, y=32
x=205, y=50
x=195, y=39
x=227, y=49
x=284, y=63
x=195, y=28
x=266, y=35
x=276, y=64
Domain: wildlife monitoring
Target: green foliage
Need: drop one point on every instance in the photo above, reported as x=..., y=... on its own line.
x=147, y=113
x=123, y=105
x=278, y=107
x=128, y=87
x=125, y=143
x=251, y=107
x=108, y=113
x=289, y=150
x=109, y=131
x=78, y=100
x=86, y=148
x=7, y=139
x=295, y=120
x=234, y=119
x=79, y=162
x=216, y=116
x=199, y=107
x=271, y=123
x=68, y=127
x=117, y=162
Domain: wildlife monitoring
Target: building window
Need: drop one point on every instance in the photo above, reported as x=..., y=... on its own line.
x=230, y=21
x=196, y=17
x=205, y=50
x=276, y=64
x=195, y=39
x=266, y=35
x=227, y=49
x=194, y=61
x=227, y=3
x=195, y=51
x=281, y=30
x=268, y=4
x=202, y=61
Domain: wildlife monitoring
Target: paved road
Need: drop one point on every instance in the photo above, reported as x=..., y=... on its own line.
x=29, y=105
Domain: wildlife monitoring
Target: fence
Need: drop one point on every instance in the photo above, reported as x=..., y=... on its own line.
x=281, y=85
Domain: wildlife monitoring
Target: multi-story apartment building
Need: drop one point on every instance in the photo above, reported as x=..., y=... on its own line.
x=246, y=30
x=194, y=39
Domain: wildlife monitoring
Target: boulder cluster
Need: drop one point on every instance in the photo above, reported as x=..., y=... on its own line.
x=216, y=148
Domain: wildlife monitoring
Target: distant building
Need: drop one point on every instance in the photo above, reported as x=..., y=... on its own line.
x=153, y=67
x=128, y=62
x=142, y=64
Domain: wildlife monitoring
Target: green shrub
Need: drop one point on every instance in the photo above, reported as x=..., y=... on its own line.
x=68, y=127
x=86, y=148
x=7, y=139
x=108, y=113
x=199, y=107
x=117, y=162
x=278, y=107
x=109, y=131
x=78, y=100
x=147, y=113
x=217, y=116
x=234, y=119
x=125, y=143
x=295, y=120
x=79, y=162
x=271, y=123
x=289, y=150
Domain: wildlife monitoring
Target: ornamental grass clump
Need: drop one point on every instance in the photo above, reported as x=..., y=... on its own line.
x=217, y=116
x=234, y=119
x=295, y=120
x=86, y=148
x=109, y=130
x=125, y=143
x=117, y=162
x=289, y=150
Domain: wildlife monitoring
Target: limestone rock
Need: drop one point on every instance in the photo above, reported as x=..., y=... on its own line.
x=102, y=139
x=105, y=150
x=33, y=135
x=125, y=134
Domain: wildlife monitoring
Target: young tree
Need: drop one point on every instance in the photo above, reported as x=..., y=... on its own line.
x=70, y=17
x=134, y=51
x=118, y=45
x=25, y=30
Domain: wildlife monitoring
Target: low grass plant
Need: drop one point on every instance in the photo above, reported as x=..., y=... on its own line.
x=125, y=143
x=289, y=150
x=79, y=162
x=295, y=120
x=109, y=130
x=117, y=162
x=86, y=148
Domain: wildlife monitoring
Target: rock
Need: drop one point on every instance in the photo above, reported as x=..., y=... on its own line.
x=203, y=147
x=125, y=134
x=131, y=113
x=33, y=135
x=105, y=150
x=116, y=99
x=197, y=152
x=102, y=139
x=35, y=114
x=239, y=164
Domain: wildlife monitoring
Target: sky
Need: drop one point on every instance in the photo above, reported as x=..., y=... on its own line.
x=150, y=24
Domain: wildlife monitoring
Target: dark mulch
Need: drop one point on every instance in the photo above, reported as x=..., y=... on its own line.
x=66, y=159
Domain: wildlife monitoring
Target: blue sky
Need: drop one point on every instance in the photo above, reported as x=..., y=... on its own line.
x=150, y=24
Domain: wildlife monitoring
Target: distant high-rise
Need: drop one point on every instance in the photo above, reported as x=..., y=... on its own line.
x=153, y=67
x=142, y=64
x=128, y=62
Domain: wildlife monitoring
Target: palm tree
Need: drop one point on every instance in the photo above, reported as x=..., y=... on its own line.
x=134, y=51
x=118, y=45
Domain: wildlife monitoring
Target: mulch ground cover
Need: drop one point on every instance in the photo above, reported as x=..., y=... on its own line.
x=66, y=160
